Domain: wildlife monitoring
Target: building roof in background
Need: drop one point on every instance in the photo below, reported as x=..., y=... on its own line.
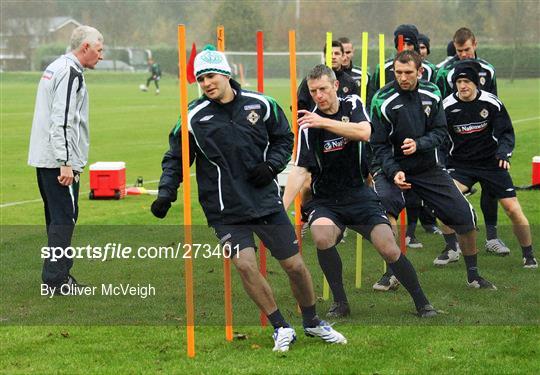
x=35, y=26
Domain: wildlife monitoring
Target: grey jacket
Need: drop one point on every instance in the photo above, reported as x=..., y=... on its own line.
x=60, y=132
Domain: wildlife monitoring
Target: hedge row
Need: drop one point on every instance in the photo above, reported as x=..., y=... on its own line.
x=527, y=60
x=526, y=64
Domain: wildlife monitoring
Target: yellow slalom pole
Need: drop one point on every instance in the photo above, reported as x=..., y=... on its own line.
x=382, y=73
x=227, y=283
x=382, y=81
x=328, y=61
x=363, y=83
x=328, y=55
x=363, y=96
x=188, y=263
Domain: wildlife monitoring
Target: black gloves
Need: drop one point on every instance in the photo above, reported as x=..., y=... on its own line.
x=160, y=207
x=261, y=175
x=502, y=156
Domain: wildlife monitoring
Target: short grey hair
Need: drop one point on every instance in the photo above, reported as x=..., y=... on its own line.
x=84, y=34
x=321, y=70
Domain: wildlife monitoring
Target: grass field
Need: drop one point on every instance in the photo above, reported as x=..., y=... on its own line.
x=479, y=332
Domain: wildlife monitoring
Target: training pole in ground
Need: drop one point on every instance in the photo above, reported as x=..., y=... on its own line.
x=363, y=97
x=227, y=285
x=188, y=264
x=402, y=224
x=294, y=124
x=328, y=61
x=260, y=88
x=296, y=132
x=382, y=81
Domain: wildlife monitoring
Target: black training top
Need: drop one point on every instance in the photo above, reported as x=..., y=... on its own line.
x=443, y=78
x=227, y=142
x=481, y=131
x=399, y=114
x=335, y=162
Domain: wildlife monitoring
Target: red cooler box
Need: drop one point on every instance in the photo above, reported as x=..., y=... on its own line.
x=108, y=180
x=536, y=170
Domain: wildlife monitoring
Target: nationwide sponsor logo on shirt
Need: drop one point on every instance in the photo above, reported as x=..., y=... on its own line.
x=335, y=144
x=473, y=127
x=484, y=113
x=253, y=117
x=456, y=110
x=47, y=74
x=397, y=106
x=251, y=107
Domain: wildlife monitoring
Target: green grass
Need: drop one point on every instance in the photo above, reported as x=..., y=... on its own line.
x=478, y=332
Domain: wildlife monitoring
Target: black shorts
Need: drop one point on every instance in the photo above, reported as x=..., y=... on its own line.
x=412, y=200
x=360, y=213
x=391, y=196
x=494, y=181
x=274, y=230
x=436, y=188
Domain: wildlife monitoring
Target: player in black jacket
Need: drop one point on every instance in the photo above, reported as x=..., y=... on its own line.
x=466, y=44
x=482, y=143
x=347, y=85
x=240, y=141
x=354, y=71
x=408, y=125
x=410, y=43
x=415, y=207
x=330, y=149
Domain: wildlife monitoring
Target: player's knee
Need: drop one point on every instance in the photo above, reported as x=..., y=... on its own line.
x=295, y=269
x=324, y=241
x=515, y=213
x=246, y=268
x=392, y=256
x=389, y=251
x=383, y=240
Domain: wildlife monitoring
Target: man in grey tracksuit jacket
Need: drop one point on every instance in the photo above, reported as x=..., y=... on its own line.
x=59, y=144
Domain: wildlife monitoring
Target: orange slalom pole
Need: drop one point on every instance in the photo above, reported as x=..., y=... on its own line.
x=260, y=88
x=294, y=125
x=188, y=263
x=260, y=62
x=402, y=244
x=221, y=38
x=227, y=284
x=402, y=227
